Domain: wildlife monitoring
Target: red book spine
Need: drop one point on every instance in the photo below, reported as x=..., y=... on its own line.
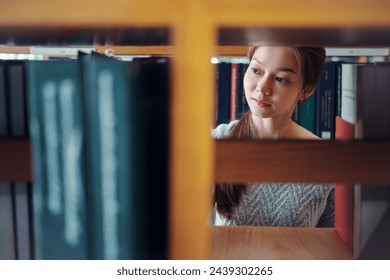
x=233, y=91
x=344, y=192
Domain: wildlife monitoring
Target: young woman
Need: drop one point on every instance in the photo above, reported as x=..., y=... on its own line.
x=276, y=79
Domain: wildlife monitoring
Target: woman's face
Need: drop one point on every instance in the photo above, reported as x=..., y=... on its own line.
x=272, y=82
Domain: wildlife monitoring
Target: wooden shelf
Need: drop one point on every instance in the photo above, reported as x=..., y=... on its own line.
x=303, y=161
x=83, y=36
x=88, y=13
x=307, y=36
x=279, y=243
x=300, y=14
x=98, y=13
x=15, y=160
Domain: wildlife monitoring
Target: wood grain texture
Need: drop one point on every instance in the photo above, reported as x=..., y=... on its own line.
x=15, y=160
x=302, y=161
x=279, y=243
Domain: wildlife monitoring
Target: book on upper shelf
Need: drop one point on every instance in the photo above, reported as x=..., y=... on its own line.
x=344, y=193
x=54, y=99
x=126, y=110
x=3, y=103
x=223, y=92
x=357, y=52
x=326, y=101
x=365, y=99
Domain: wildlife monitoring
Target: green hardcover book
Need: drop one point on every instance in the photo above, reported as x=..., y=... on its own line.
x=149, y=83
x=108, y=123
x=307, y=112
x=56, y=131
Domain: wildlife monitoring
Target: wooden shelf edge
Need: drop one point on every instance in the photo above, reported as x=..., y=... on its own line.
x=277, y=243
x=15, y=160
x=302, y=161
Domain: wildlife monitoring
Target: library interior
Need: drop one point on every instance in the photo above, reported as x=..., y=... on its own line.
x=81, y=82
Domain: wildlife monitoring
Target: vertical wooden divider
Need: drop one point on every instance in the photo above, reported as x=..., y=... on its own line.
x=192, y=162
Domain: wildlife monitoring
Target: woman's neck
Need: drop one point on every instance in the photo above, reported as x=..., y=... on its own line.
x=272, y=128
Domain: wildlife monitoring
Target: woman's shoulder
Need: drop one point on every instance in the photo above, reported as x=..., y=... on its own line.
x=223, y=130
x=302, y=133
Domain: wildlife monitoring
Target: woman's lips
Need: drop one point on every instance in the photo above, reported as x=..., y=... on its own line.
x=262, y=103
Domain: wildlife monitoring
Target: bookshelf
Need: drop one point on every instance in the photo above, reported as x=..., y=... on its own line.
x=193, y=29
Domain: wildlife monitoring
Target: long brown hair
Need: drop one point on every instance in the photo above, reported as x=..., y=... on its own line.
x=310, y=61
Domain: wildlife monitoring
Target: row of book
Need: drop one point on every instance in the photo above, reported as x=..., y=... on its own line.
x=230, y=96
x=99, y=130
x=363, y=112
x=340, y=86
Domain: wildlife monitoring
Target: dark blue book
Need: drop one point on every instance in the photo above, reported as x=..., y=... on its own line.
x=149, y=90
x=242, y=106
x=15, y=86
x=3, y=103
x=326, y=102
x=223, y=92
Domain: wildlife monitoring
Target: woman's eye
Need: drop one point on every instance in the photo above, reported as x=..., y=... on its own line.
x=281, y=80
x=255, y=71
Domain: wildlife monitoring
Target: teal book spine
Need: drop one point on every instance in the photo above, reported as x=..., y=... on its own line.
x=307, y=112
x=54, y=102
x=107, y=121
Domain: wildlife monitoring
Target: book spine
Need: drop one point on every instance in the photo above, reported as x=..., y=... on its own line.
x=307, y=112
x=59, y=213
x=22, y=220
x=15, y=80
x=3, y=103
x=223, y=92
x=348, y=92
x=233, y=91
x=18, y=128
x=7, y=229
x=36, y=136
x=373, y=115
x=151, y=228
x=241, y=99
x=71, y=154
x=326, y=102
x=108, y=190
x=344, y=196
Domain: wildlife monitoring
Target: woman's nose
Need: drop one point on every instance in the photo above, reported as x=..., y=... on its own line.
x=263, y=86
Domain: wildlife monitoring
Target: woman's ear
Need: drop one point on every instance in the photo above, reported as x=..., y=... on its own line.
x=307, y=92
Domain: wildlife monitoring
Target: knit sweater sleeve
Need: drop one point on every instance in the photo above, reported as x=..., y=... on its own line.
x=327, y=217
x=223, y=130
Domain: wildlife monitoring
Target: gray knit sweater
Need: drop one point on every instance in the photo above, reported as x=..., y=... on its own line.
x=280, y=204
